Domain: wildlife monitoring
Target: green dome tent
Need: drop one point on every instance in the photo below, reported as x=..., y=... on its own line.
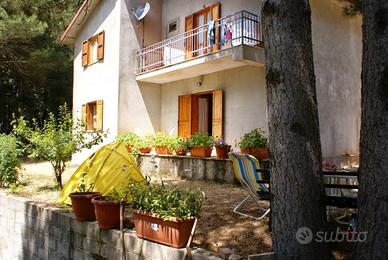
x=108, y=168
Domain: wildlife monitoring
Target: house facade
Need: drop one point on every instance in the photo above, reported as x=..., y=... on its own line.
x=198, y=66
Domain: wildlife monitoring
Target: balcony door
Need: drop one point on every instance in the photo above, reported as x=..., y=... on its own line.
x=196, y=43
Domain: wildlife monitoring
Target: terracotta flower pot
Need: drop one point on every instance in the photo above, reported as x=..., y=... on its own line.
x=172, y=233
x=181, y=152
x=129, y=148
x=258, y=153
x=222, y=151
x=200, y=151
x=82, y=205
x=107, y=212
x=145, y=150
x=163, y=150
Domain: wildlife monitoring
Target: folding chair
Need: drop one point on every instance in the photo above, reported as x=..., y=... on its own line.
x=246, y=171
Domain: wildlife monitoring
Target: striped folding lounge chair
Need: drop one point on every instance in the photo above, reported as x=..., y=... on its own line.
x=245, y=170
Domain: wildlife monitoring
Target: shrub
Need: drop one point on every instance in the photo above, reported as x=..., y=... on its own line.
x=166, y=202
x=58, y=139
x=201, y=140
x=254, y=138
x=9, y=160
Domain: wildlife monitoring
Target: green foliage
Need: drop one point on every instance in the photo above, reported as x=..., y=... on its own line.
x=166, y=202
x=201, y=140
x=182, y=144
x=144, y=142
x=163, y=139
x=83, y=187
x=58, y=139
x=131, y=139
x=254, y=138
x=35, y=69
x=9, y=160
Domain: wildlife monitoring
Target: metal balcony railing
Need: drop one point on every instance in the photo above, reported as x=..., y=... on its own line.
x=241, y=28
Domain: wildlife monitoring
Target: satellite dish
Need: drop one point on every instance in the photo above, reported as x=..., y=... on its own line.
x=141, y=11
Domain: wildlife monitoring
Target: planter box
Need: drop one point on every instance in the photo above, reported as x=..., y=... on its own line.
x=172, y=233
x=199, y=151
x=162, y=150
x=222, y=152
x=258, y=153
x=145, y=150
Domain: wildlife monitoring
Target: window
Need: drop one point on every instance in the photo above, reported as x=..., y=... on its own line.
x=93, y=49
x=197, y=44
x=92, y=115
x=201, y=112
x=172, y=28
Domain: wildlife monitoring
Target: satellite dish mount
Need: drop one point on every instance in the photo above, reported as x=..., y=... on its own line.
x=141, y=10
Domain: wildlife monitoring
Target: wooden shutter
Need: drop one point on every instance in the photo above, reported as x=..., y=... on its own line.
x=194, y=114
x=100, y=42
x=85, y=50
x=189, y=42
x=184, y=116
x=83, y=116
x=216, y=13
x=100, y=114
x=217, y=113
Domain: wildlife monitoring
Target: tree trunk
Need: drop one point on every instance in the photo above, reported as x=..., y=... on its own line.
x=373, y=176
x=296, y=176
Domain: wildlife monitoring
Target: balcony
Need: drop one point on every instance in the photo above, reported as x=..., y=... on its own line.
x=227, y=43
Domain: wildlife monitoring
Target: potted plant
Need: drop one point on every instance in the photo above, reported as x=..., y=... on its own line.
x=222, y=148
x=107, y=209
x=129, y=139
x=164, y=144
x=81, y=201
x=254, y=143
x=182, y=146
x=144, y=145
x=165, y=215
x=201, y=145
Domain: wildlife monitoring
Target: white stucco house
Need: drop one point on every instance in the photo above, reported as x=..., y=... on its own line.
x=192, y=66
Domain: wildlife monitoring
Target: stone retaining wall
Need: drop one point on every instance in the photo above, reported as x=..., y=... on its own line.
x=171, y=166
x=35, y=231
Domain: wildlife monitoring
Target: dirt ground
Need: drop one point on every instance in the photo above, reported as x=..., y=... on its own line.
x=217, y=226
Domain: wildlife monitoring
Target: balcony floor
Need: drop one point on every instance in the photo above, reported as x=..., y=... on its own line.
x=213, y=62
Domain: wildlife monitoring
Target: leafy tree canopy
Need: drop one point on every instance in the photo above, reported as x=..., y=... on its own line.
x=35, y=69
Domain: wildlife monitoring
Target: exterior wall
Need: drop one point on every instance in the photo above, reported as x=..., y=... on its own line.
x=99, y=80
x=337, y=44
x=173, y=9
x=32, y=231
x=139, y=103
x=244, y=100
x=170, y=167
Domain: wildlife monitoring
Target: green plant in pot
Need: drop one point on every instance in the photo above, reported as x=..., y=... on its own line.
x=222, y=148
x=254, y=143
x=201, y=145
x=163, y=143
x=131, y=140
x=144, y=145
x=81, y=200
x=182, y=146
x=165, y=214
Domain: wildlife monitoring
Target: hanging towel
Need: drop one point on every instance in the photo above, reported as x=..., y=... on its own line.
x=211, y=32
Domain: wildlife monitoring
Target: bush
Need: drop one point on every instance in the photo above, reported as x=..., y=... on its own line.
x=58, y=139
x=201, y=140
x=9, y=160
